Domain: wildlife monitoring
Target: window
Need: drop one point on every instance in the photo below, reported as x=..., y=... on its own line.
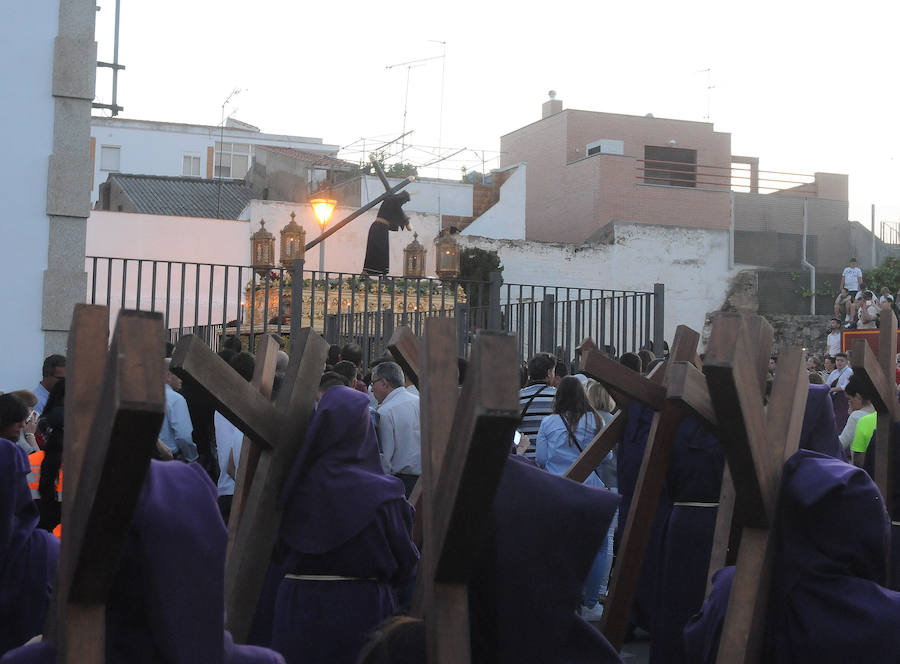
x=109, y=158
x=604, y=146
x=674, y=167
x=191, y=165
x=316, y=177
x=232, y=160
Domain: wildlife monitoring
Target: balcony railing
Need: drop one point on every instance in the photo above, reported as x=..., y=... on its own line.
x=722, y=178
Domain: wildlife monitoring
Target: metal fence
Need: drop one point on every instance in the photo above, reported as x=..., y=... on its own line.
x=217, y=300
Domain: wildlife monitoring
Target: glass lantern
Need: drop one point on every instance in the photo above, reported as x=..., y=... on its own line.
x=447, y=257
x=293, y=242
x=262, y=249
x=414, y=259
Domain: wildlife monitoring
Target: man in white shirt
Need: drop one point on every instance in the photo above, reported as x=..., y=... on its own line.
x=851, y=278
x=838, y=379
x=833, y=341
x=176, y=426
x=398, y=424
x=52, y=371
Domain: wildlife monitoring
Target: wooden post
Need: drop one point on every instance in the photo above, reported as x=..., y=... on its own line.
x=263, y=379
x=879, y=374
x=108, y=466
x=460, y=480
x=728, y=524
x=279, y=431
x=670, y=397
x=757, y=443
x=404, y=346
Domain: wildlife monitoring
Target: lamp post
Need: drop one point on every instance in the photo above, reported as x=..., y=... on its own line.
x=323, y=208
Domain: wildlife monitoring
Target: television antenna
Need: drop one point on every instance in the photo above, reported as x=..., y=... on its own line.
x=116, y=68
x=409, y=65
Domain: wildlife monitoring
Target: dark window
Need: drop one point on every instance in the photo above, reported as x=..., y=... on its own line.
x=675, y=167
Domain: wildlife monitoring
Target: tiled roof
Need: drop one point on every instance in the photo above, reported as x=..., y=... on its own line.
x=313, y=158
x=185, y=196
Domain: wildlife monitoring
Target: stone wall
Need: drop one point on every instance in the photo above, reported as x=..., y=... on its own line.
x=804, y=331
x=790, y=329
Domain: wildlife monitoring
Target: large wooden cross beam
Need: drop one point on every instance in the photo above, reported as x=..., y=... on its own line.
x=114, y=408
x=728, y=525
x=248, y=459
x=464, y=452
x=279, y=431
x=757, y=442
x=879, y=375
x=405, y=348
x=670, y=410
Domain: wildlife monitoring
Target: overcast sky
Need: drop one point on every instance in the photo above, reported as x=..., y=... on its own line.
x=805, y=86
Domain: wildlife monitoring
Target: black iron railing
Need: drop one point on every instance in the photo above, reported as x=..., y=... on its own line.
x=218, y=300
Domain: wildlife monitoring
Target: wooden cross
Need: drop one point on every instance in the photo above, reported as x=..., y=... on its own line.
x=114, y=407
x=728, y=525
x=279, y=431
x=464, y=452
x=757, y=443
x=263, y=379
x=879, y=374
x=671, y=397
x=404, y=347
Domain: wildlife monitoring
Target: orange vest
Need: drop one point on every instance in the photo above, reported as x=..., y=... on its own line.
x=34, y=477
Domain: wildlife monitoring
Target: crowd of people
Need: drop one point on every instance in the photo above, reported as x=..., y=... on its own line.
x=345, y=559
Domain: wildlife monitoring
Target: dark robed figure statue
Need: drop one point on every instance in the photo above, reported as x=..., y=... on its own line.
x=391, y=217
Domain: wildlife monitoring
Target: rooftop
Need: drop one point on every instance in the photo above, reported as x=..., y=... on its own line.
x=184, y=196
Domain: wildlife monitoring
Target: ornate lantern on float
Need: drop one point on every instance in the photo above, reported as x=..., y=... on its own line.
x=414, y=259
x=293, y=242
x=262, y=249
x=446, y=261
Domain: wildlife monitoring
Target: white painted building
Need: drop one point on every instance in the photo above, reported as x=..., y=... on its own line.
x=692, y=263
x=170, y=148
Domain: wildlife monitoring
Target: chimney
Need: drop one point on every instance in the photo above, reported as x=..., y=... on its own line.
x=552, y=106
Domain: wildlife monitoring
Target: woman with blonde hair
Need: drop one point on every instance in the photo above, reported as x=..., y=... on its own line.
x=560, y=440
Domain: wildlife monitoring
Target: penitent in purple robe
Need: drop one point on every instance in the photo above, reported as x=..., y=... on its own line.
x=529, y=575
x=28, y=556
x=346, y=531
x=827, y=601
x=693, y=484
x=820, y=433
x=167, y=601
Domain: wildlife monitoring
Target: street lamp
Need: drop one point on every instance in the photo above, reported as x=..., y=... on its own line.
x=323, y=208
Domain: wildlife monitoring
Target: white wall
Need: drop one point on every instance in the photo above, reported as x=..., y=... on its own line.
x=453, y=198
x=346, y=249
x=157, y=148
x=221, y=242
x=27, y=50
x=505, y=220
x=693, y=265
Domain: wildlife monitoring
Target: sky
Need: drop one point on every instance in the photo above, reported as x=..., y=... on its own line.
x=804, y=86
